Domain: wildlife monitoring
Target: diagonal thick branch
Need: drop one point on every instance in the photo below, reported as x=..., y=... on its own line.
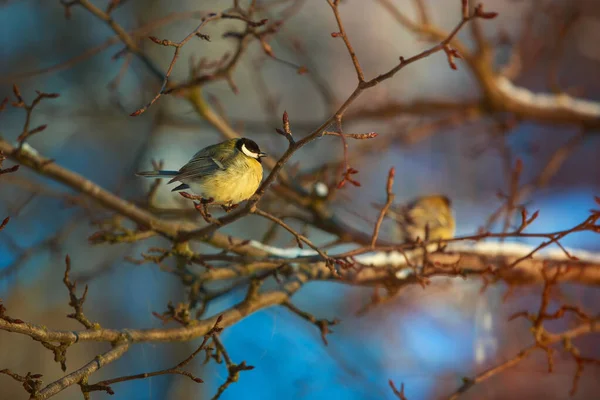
x=113, y=202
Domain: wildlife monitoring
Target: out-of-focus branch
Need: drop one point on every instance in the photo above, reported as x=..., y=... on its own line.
x=398, y=393
x=390, y=199
x=121, y=33
x=552, y=166
x=544, y=340
x=502, y=95
x=135, y=34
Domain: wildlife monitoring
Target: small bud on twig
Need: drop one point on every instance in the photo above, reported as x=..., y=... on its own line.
x=4, y=222
x=3, y=104
x=286, y=132
x=267, y=48
x=465, y=9
x=17, y=93
x=483, y=14
x=518, y=166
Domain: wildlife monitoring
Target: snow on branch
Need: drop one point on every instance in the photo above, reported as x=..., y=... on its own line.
x=511, y=262
x=557, y=102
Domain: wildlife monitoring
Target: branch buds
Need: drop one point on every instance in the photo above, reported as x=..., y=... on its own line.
x=3, y=104
x=286, y=123
x=465, y=9
x=390, y=181
x=347, y=178
x=4, y=222
x=287, y=131
x=163, y=42
x=483, y=14
x=17, y=93
x=451, y=54
x=518, y=166
x=267, y=48
x=525, y=222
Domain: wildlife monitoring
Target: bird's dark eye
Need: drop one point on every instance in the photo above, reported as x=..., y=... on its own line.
x=252, y=146
x=249, y=144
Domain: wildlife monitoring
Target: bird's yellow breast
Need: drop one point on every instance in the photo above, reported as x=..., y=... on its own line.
x=236, y=183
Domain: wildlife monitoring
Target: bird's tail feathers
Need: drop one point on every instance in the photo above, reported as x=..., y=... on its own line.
x=157, y=174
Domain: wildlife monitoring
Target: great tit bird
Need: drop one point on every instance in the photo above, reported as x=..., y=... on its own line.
x=427, y=217
x=226, y=173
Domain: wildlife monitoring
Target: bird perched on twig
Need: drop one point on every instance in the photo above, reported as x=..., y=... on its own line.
x=226, y=173
x=427, y=217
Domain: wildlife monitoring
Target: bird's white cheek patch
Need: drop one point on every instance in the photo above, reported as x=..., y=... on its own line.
x=248, y=152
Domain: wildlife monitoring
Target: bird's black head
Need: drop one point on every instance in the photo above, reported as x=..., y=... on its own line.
x=249, y=148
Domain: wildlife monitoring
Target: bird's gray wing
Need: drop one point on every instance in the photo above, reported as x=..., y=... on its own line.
x=206, y=162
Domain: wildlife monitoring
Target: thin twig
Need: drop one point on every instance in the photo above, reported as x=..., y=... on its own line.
x=388, y=203
x=177, y=369
x=342, y=33
x=322, y=324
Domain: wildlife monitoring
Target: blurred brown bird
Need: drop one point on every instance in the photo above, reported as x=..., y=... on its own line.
x=427, y=217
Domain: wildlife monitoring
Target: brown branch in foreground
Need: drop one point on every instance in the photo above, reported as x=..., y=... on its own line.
x=177, y=369
x=253, y=303
x=31, y=382
x=84, y=372
x=523, y=273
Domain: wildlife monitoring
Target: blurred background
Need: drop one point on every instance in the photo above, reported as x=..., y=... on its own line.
x=428, y=339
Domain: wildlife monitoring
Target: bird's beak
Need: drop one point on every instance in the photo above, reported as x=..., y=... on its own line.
x=261, y=154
